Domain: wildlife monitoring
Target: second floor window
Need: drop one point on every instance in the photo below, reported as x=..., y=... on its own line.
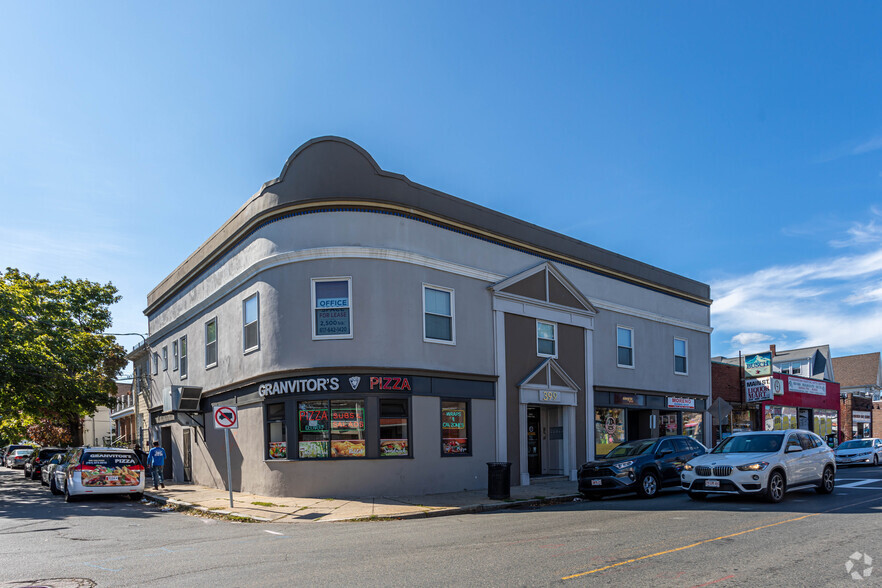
x=250, y=314
x=183, y=357
x=155, y=364
x=175, y=355
x=165, y=358
x=546, y=339
x=438, y=314
x=624, y=347
x=332, y=308
x=211, y=343
x=680, y=347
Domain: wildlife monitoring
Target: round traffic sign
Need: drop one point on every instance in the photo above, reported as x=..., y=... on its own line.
x=226, y=417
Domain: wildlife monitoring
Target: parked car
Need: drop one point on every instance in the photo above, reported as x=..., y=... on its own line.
x=102, y=470
x=643, y=466
x=859, y=451
x=763, y=463
x=56, y=480
x=7, y=450
x=48, y=469
x=17, y=457
x=32, y=466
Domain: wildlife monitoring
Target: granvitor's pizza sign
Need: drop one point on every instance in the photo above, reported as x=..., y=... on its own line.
x=333, y=384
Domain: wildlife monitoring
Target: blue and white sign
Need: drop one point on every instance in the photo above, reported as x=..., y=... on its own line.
x=758, y=365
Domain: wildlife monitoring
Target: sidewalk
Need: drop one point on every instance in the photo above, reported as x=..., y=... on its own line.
x=301, y=510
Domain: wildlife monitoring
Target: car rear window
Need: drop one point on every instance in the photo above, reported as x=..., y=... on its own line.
x=110, y=460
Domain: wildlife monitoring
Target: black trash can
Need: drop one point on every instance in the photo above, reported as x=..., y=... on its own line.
x=498, y=480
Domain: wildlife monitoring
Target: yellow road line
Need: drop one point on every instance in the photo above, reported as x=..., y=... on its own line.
x=622, y=563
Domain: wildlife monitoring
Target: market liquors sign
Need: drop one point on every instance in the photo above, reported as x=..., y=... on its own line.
x=759, y=364
x=758, y=389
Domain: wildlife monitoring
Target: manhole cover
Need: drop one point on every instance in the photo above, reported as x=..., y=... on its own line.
x=51, y=583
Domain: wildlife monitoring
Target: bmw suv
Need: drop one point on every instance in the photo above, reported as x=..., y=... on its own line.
x=762, y=463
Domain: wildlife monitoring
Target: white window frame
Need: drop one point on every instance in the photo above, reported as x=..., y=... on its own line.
x=247, y=350
x=175, y=362
x=165, y=358
x=553, y=326
x=208, y=322
x=312, y=283
x=450, y=291
x=685, y=357
x=155, y=363
x=633, y=351
x=184, y=356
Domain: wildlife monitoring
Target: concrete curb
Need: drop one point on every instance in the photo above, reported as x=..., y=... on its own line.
x=440, y=512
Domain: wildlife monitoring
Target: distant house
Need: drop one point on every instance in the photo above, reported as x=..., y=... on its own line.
x=859, y=374
x=861, y=382
x=123, y=415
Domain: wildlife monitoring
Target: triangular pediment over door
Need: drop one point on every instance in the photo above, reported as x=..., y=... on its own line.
x=545, y=283
x=548, y=383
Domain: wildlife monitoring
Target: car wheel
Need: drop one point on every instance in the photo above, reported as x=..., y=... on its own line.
x=776, y=488
x=697, y=495
x=875, y=459
x=43, y=482
x=648, y=486
x=53, y=488
x=136, y=496
x=828, y=482
x=68, y=497
x=35, y=475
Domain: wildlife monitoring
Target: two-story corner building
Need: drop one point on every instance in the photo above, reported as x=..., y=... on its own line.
x=380, y=337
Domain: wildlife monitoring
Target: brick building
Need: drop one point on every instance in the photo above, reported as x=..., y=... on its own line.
x=861, y=383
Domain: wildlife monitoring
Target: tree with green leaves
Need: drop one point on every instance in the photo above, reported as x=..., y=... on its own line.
x=55, y=363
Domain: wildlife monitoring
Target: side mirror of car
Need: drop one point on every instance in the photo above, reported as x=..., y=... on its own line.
x=792, y=449
x=664, y=452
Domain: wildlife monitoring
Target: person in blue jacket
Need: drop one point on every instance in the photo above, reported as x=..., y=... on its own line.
x=155, y=461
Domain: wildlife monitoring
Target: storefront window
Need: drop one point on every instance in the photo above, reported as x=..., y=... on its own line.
x=454, y=428
x=609, y=429
x=741, y=421
x=314, y=429
x=779, y=418
x=393, y=428
x=347, y=428
x=276, y=433
x=826, y=424
x=692, y=426
x=667, y=424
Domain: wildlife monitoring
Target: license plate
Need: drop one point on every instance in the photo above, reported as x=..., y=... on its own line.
x=112, y=478
x=596, y=482
x=711, y=483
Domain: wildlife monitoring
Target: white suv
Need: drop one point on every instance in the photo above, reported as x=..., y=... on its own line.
x=767, y=463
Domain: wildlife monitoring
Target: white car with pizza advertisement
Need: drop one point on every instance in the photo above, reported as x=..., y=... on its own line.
x=103, y=470
x=762, y=463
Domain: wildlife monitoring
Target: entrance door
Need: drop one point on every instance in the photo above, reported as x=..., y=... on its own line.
x=534, y=453
x=165, y=441
x=803, y=419
x=188, y=467
x=642, y=424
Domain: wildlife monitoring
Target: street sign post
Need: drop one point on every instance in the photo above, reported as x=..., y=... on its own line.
x=226, y=418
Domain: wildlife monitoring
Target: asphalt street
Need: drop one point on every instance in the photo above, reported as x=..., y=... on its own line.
x=807, y=540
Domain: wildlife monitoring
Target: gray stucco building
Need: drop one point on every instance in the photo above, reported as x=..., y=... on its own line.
x=381, y=337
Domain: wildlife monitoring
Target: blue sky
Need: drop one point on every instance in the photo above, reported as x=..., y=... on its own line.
x=739, y=144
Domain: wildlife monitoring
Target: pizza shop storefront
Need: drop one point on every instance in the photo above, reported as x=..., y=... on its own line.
x=357, y=435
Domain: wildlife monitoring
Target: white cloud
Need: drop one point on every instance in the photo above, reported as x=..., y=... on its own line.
x=835, y=300
x=867, y=146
